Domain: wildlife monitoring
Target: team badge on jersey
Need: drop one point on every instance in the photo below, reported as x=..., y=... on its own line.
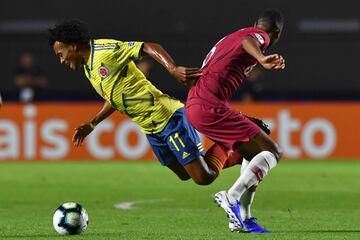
x=130, y=44
x=103, y=71
x=260, y=38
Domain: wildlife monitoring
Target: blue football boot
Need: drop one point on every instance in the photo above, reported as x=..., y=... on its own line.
x=250, y=225
x=232, y=211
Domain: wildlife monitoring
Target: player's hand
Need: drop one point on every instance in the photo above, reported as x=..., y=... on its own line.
x=186, y=76
x=81, y=132
x=273, y=61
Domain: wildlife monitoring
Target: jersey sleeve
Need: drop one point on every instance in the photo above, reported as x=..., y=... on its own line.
x=129, y=51
x=262, y=39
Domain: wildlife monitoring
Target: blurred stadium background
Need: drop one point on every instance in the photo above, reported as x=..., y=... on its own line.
x=312, y=107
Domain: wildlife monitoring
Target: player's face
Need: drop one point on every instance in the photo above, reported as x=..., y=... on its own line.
x=68, y=55
x=274, y=36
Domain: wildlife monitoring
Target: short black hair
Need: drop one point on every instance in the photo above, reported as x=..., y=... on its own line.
x=274, y=17
x=72, y=31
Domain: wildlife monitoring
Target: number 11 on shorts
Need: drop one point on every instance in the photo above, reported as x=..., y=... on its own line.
x=177, y=137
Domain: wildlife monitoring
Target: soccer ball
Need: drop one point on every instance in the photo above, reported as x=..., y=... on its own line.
x=70, y=218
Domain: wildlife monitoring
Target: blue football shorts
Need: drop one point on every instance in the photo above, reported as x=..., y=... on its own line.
x=178, y=141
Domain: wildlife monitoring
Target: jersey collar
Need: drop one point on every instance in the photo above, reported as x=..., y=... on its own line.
x=91, y=59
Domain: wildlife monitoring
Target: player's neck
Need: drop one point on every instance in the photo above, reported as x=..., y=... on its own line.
x=85, y=52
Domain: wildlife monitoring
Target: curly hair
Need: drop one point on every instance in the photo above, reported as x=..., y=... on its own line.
x=72, y=31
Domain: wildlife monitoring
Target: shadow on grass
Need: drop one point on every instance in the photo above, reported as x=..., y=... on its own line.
x=17, y=236
x=320, y=231
x=52, y=236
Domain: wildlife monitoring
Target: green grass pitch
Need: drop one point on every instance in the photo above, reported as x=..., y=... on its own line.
x=298, y=200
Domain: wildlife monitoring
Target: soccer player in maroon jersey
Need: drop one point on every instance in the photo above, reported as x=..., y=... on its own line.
x=208, y=110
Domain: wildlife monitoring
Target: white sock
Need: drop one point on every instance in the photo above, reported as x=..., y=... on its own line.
x=246, y=200
x=248, y=197
x=244, y=165
x=257, y=169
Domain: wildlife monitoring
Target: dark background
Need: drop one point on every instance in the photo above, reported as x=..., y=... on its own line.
x=321, y=41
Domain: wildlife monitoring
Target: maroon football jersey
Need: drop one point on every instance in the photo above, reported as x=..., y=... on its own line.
x=226, y=67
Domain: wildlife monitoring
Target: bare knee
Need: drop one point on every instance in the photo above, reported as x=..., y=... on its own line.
x=262, y=142
x=204, y=180
x=200, y=172
x=184, y=177
x=278, y=152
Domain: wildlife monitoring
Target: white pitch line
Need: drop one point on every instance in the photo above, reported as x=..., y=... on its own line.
x=129, y=205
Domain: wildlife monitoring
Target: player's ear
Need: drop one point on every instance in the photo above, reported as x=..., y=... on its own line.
x=75, y=47
x=276, y=32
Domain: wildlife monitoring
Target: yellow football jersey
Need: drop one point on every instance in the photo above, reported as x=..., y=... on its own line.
x=114, y=75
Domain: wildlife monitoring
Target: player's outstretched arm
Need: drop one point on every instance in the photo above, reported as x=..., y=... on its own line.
x=273, y=61
x=184, y=75
x=86, y=128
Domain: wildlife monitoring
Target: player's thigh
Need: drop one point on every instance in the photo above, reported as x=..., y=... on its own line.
x=188, y=153
x=179, y=170
x=260, y=142
x=185, y=144
x=160, y=149
x=166, y=157
x=183, y=140
x=224, y=125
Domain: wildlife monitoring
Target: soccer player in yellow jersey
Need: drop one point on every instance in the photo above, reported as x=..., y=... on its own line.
x=109, y=66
